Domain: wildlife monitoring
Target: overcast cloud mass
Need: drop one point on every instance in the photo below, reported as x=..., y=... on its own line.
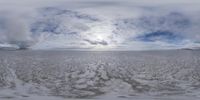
x=100, y=24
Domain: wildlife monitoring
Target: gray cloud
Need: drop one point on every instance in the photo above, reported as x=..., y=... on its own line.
x=102, y=42
x=56, y=24
x=15, y=31
x=169, y=28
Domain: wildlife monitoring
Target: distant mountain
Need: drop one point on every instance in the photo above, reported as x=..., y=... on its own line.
x=8, y=47
x=192, y=48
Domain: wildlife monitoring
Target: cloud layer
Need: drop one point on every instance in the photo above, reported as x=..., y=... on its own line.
x=100, y=25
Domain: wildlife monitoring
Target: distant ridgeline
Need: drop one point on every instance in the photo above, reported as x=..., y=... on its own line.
x=22, y=45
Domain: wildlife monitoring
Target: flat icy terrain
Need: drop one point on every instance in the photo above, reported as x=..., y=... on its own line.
x=73, y=75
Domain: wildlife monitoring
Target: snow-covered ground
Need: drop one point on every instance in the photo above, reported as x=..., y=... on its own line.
x=75, y=75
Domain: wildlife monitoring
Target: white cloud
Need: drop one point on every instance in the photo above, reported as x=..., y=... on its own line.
x=24, y=13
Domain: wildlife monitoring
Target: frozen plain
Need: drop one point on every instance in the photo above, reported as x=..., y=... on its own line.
x=100, y=75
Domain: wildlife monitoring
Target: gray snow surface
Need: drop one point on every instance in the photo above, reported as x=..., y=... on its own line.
x=100, y=75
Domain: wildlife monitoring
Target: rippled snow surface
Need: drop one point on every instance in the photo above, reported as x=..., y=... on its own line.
x=138, y=75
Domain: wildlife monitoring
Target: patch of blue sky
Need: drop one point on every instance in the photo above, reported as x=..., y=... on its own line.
x=54, y=11
x=45, y=26
x=164, y=36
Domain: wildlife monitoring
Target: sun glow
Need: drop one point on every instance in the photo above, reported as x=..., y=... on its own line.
x=100, y=34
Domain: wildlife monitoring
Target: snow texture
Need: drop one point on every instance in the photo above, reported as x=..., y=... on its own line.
x=74, y=75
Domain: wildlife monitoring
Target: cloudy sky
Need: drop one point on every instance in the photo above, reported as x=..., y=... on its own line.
x=100, y=24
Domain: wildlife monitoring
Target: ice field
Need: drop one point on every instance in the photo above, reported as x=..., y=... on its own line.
x=100, y=75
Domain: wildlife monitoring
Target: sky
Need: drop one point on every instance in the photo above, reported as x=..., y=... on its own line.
x=100, y=24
